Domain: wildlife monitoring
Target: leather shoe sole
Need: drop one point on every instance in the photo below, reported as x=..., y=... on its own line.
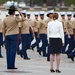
x=12, y=68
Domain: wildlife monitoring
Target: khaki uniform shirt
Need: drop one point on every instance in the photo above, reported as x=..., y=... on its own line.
x=63, y=23
x=18, y=22
x=43, y=27
x=36, y=25
x=10, y=24
x=69, y=26
x=30, y=22
x=1, y=23
x=74, y=28
x=25, y=26
x=48, y=20
x=74, y=24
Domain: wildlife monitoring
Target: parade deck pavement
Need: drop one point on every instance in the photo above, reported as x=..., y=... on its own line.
x=36, y=66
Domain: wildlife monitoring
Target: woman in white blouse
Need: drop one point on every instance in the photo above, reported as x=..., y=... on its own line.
x=55, y=35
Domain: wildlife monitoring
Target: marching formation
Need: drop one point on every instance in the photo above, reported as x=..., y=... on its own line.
x=18, y=28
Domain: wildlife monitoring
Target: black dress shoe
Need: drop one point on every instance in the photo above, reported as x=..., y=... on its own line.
x=32, y=48
x=58, y=71
x=27, y=58
x=52, y=70
x=12, y=68
x=71, y=57
x=48, y=59
x=1, y=56
x=39, y=51
x=21, y=55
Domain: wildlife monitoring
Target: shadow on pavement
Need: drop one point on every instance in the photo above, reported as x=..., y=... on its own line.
x=12, y=71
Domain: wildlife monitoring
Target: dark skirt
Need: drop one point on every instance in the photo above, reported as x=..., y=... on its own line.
x=55, y=45
x=1, y=39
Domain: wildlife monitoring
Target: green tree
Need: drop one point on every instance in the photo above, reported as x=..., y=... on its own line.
x=69, y=2
x=39, y=2
x=3, y=1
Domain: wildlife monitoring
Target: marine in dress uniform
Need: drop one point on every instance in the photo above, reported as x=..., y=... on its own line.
x=1, y=37
x=18, y=38
x=74, y=25
x=10, y=31
x=72, y=54
x=6, y=14
x=42, y=33
x=69, y=33
x=25, y=35
x=30, y=23
x=63, y=20
x=35, y=28
x=50, y=18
